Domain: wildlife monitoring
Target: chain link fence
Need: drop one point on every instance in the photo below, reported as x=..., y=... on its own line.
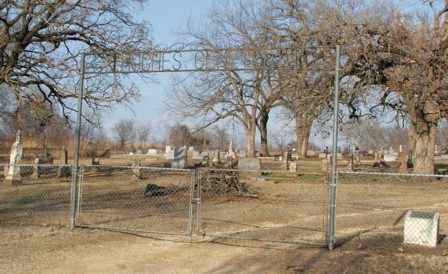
x=135, y=199
x=246, y=205
x=399, y=215
x=40, y=197
x=377, y=213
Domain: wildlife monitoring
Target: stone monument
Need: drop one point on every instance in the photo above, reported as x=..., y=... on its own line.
x=13, y=177
x=65, y=169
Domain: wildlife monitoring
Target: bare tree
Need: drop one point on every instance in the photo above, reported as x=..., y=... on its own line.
x=406, y=55
x=124, y=132
x=305, y=92
x=142, y=133
x=369, y=134
x=220, y=136
x=232, y=94
x=41, y=42
x=179, y=135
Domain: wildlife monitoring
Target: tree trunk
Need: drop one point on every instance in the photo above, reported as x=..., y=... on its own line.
x=425, y=136
x=263, y=128
x=303, y=131
x=250, y=142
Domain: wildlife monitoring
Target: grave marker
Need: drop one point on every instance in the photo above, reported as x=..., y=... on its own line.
x=13, y=177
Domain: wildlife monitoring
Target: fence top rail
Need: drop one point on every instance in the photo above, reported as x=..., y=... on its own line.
x=393, y=174
x=140, y=167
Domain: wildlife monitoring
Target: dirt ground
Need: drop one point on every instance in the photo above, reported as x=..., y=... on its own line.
x=369, y=230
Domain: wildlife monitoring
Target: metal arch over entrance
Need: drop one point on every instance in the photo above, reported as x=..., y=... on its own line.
x=203, y=60
x=193, y=60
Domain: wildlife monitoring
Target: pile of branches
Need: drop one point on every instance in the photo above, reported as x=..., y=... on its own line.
x=224, y=182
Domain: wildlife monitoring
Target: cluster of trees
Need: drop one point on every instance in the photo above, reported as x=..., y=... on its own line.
x=393, y=67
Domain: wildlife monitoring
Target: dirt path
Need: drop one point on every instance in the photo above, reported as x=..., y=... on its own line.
x=60, y=250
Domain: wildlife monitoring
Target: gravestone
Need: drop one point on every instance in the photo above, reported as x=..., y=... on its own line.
x=167, y=149
x=230, y=152
x=152, y=151
x=95, y=161
x=13, y=177
x=322, y=155
x=243, y=154
x=36, y=169
x=180, y=158
x=293, y=167
x=216, y=157
x=136, y=168
x=64, y=156
x=403, y=159
x=205, y=161
x=65, y=171
x=285, y=160
x=169, y=155
x=326, y=163
x=249, y=164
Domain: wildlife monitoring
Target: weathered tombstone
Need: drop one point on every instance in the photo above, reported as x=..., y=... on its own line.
x=350, y=162
x=169, y=155
x=205, y=161
x=357, y=156
x=13, y=177
x=243, y=154
x=322, y=155
x=379, y=159
x=36, y=169
x=216, y=158
x=293, y=167
x=180, y=158
x=65, y=170
x=230, y=152
x=403, y=159
x=136, y=168
x=168, y=149
x=152, y=151
x=64, y=157
x=249, y=164
x=285, y=159
x=326, y=163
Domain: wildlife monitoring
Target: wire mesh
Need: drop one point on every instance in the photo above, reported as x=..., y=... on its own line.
x=143, y=199
x=246, y=205
x=393, y=214
x=39, y=195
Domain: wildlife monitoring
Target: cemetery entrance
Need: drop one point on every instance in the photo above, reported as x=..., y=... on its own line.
x=185, y=201
x=197, y=202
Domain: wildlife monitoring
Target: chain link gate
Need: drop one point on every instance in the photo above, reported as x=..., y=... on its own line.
x=169, y=201
x=140, y=200
x=247, y=206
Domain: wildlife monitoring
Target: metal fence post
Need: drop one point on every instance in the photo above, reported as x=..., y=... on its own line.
x=194, y=178
x=74, y=188
x=334, y=171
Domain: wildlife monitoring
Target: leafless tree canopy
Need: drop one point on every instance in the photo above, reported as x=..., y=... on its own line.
x=41, y=43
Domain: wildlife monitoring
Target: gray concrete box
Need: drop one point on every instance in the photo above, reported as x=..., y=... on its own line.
x=421, y=228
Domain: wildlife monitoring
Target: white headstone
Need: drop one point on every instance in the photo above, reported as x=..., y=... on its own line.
x=13, y=177
x=152, y=151
x=168, y=149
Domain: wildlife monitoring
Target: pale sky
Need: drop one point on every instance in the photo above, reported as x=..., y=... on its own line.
x=165, y=16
